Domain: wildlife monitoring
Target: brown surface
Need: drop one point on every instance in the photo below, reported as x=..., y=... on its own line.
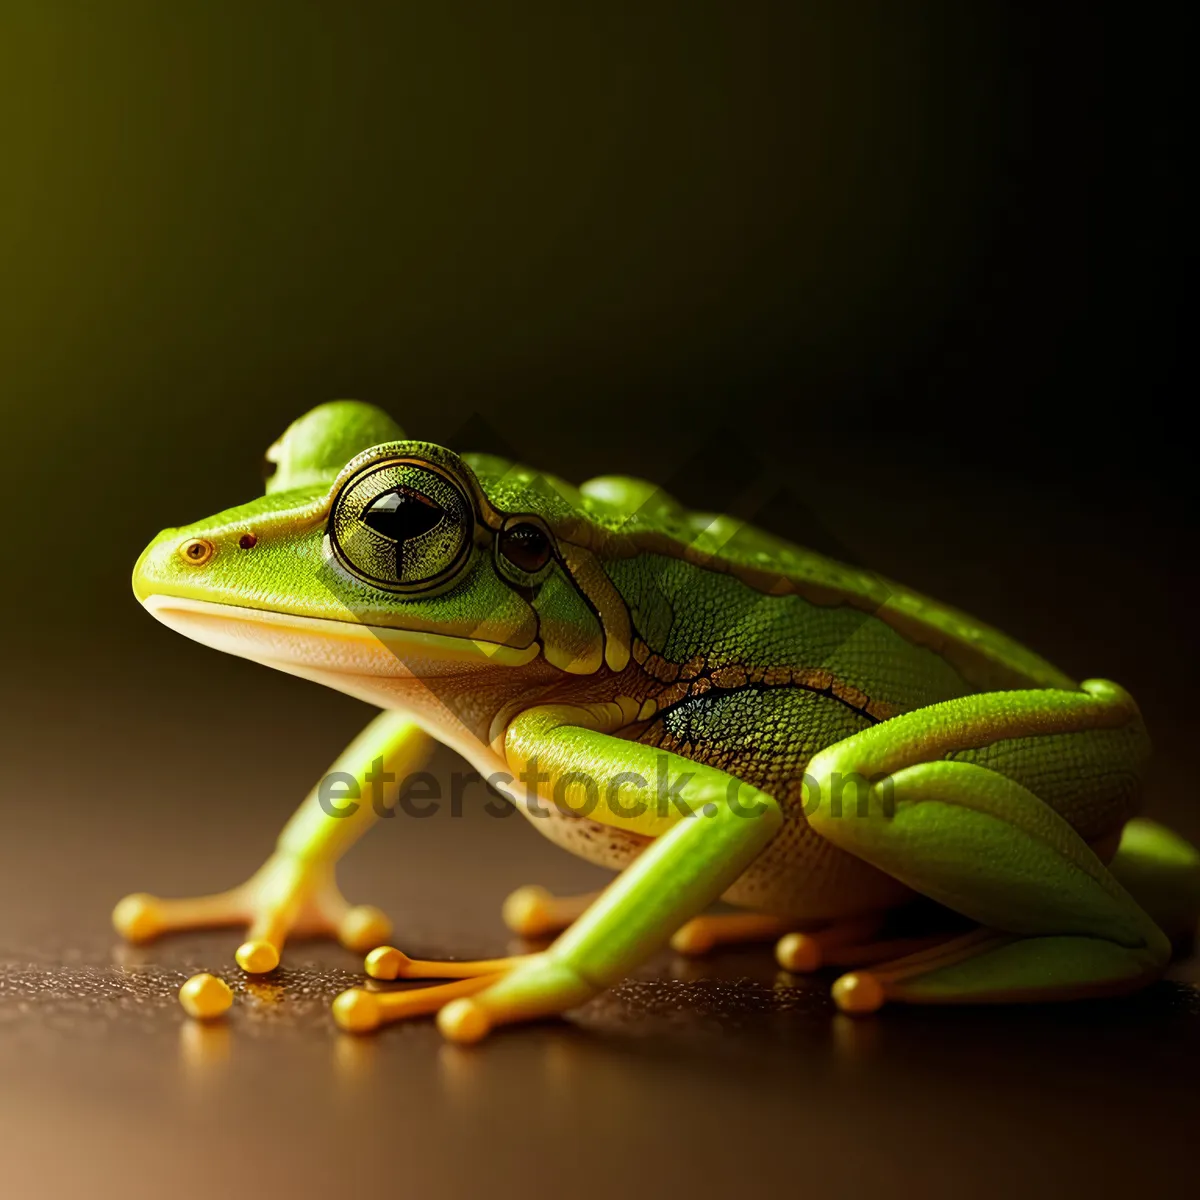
x=697, y=1078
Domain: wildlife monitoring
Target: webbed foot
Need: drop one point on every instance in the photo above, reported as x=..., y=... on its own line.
x=360, y=1010
x=285, y=896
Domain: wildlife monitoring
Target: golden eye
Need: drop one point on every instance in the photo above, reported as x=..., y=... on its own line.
x=197, y=551
x=402, y=526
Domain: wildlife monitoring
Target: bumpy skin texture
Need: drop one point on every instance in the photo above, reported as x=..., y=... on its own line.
x=560, y=632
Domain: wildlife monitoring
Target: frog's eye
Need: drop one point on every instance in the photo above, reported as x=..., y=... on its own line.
x=401, y=526
x=525, y=546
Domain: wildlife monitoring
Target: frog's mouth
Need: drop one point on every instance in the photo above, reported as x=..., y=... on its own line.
x=322, y=646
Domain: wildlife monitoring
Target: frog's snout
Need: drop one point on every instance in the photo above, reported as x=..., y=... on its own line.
x=196, y=551
x=172, y=563
x=144, y=573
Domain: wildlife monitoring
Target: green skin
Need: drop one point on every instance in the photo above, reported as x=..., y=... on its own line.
x=709, y=691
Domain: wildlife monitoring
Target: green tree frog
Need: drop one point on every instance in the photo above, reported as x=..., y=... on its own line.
x=708, y=710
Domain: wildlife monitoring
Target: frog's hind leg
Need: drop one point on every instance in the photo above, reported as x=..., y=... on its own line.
x=1159, y=870
x=987, y=966
x=1162, y=873
x=1055, y=922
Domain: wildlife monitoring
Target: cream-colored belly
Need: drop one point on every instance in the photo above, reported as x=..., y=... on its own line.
x=799, y=874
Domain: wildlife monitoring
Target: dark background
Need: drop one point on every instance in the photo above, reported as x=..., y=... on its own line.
x=920, y=265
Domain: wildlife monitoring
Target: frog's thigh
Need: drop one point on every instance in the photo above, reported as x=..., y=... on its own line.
x=1057, y=923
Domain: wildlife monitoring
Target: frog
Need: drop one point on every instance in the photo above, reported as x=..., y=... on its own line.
x=764, y=744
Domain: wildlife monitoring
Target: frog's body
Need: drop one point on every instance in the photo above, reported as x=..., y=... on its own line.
x=681, y=696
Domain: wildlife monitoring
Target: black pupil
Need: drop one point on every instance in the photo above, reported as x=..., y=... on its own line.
x=525, y=546
x=401, y=515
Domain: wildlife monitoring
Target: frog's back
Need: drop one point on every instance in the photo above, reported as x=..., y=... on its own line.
x=754, y=654
x=718, y=602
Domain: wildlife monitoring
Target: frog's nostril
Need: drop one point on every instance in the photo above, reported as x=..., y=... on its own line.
x=248, y=541
x=197, y=551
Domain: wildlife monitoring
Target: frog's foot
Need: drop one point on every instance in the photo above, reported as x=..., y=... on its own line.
x=532, y=912
x=287, y=895
x=358, y=1010
x=854, y=954
x=1159, y=869
x=849, y=940
x=521, y=987
x=710, y=930
x=542, y=985
x=988, y=966
x=943, y=970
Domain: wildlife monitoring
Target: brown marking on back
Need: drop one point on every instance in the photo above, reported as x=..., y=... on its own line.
x=668, y=683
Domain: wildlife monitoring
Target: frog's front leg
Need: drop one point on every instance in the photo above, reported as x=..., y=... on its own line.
x=294, y=891
x=1054, y=921
x=707, y=828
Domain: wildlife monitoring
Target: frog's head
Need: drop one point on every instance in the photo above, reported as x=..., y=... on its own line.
x=373, y=556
